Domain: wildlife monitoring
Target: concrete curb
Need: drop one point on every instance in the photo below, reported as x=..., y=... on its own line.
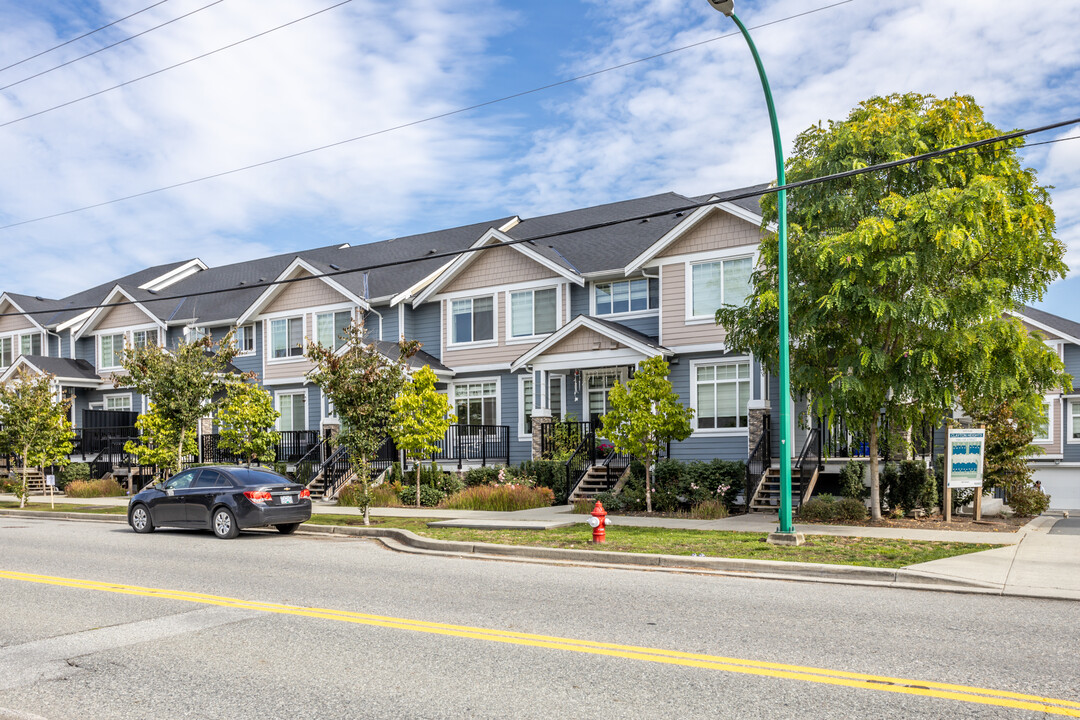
x=409, y=542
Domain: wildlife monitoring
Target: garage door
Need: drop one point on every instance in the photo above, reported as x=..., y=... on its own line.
x=1062, y=484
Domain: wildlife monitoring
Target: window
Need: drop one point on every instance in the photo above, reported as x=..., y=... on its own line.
x=181, y=481
x=293, y=409
x=30, y=344
x=475, y=403
x=1042, y=427
x=597, y=386
x=5, y=352
x=118, y=402
x=287, y=337
x=555, y=383
x=473, y=320
x=1074, y=421
x=330, y=328
x=111, y=347
x=533, y=312
x=722, y=391
x=724, y=282
x=245, y=339
x=627, y=296
x=142, y=338
x=192, y=333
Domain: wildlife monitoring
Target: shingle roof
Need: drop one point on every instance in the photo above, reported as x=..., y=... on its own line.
x=417, y=361
x=1068, y=327
x=65, y=368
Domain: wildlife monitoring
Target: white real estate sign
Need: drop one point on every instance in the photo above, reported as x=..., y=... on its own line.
x=965, y=450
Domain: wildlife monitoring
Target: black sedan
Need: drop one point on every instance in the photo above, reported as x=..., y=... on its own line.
x=224, y=499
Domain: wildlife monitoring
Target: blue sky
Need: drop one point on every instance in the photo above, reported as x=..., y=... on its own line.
x=691, y=122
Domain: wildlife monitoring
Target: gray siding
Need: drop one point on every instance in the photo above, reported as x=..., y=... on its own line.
x=84, y=350
x=65, y=345
x=519, y=450
x=390, y=329
x=1072, y=363
x=701, y=447
x=173, y=336
x=52, y=345
x=579, y=301
x=645, y=325
x=314, y=407
x=422, y=324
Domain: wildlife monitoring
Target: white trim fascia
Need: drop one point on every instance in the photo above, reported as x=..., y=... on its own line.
x=688, y=224
x=469, y=256
x=418, y=286
x=579, y=322
x=5, y=297
x=175, y=275
x=96, y=315
x=186, y=322
x=728, y=253
x=74, y=321
x=286, y=381
x=1058, y=334
x=9, y=371
x=503, y=288
x=510, y=224
x=491, y=367
x=253, y=310
x=589, y=360
x=704, y=347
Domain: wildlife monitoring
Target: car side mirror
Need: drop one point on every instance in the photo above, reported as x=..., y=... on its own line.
x=170, y=491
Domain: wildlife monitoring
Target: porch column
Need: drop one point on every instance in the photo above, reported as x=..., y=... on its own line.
x=757, y=412
x=541, y=411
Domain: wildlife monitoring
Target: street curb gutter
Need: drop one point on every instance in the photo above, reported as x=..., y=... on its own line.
x=407, y=541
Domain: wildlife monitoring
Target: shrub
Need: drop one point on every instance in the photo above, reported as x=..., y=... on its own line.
x=908, y=485
x=584, y=507
x=709, y=510
x=429, y=496
x=74, y=471
x=818, y=509
x=680, y=486
x=546, y=473
x=851, y=480
x=500, y=498
x=489, y=475
x=1027, y=501
x=106, y=487
x=850, y=509
x=352, y=495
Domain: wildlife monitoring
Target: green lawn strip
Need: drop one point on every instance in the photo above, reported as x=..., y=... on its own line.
x=828, y=549
x=68, y=507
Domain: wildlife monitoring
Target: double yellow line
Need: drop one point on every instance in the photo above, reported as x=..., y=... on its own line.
x=923, y=688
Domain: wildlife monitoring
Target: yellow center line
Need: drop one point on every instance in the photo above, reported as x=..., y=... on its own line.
x=924, y=688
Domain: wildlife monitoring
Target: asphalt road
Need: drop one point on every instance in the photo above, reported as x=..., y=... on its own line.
x=1067, y=526
x=314, y=627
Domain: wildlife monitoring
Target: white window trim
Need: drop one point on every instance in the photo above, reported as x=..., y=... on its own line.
x=16, y=343
x=728, y=360
x=14, y=340
x=254, y=340
x=1049, y=440
x=1071, y=416
x=97, y=349
x=315, y=324
x=688, y=288
x=630, y=314
x=268, y=339
x=534, y=338
x=100, y=405
x=325, y=417
x=522, y=435
x=449, y=320
x=113, y=396
x=129, y=340
x=277, y=406
x=451, y=390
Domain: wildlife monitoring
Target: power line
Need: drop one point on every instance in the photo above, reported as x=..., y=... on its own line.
x=85, y=34
x=595, y=226
x=171, y=67
x=107, y=47
x=375, y=133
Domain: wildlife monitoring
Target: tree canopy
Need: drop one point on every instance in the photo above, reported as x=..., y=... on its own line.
x=901, y=279
x=422, y=415
x=246, y=422
x=34, y=423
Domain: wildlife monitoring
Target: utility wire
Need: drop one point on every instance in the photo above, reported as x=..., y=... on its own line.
x=172, y=67
x=595, y=226
x=107, y=47
x=80, y=37
x=402, y=126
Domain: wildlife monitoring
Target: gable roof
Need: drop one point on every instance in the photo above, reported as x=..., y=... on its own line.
x=314, y=272
x=117, y=298
x=623, y=335
x=65, y=370
x=1067, y=329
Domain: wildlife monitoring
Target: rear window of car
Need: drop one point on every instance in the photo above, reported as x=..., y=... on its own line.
x=254, y=476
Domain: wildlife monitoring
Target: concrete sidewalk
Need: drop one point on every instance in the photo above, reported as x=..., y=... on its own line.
x=1030, y=562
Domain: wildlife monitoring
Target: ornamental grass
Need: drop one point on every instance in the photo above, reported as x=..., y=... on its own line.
x=106, y=487
x=500, y=498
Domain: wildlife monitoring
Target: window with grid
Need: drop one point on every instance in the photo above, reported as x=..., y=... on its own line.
x=111, y=347
x=472, y=320
x=6, y=355
x=627, y=296
x=142, y=338
x=723, y=392
x=533, y=312
x=475, y=403
x=30, y=344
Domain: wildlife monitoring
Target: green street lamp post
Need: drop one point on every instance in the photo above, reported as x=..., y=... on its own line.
x=785, y=534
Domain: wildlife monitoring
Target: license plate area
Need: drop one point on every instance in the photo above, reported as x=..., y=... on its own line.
x=288, y=499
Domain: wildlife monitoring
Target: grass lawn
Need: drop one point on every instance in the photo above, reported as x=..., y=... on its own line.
x=68, y=507
x=868, y=552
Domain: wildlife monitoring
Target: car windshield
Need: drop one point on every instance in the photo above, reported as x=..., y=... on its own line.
x=256, y=476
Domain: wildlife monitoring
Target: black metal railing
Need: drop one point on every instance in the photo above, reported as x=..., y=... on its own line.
x=335, y=471
x=308, y=466
x=583, y=458
x=90, y=442
x=809, y=462
x=759, y=461
x=210, y=451
x=486, y=444
x=112, y=457
x=562, y=435
x=842, y=441
x=295, y=444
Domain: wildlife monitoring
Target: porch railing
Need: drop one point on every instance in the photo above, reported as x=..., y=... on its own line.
x=486, y=444
x=809, y=462
x=569, y=432
x=759, y=461
x=582, y=459
x=90, y=442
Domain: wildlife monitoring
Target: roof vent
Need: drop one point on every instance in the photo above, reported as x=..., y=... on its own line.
x=644, y=220
x=38, y=297
x=432, y=251
x=334, y=267
x=243, y=282
x=152, y=292
x=262, y=279
x=678, y=214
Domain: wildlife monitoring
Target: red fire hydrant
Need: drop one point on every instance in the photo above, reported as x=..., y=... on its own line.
x=598, y=521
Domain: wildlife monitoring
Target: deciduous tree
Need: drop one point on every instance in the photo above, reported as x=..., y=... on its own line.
x=422, y=416
x=34, y=423
x=159, y=437
x=246, y=422
x=645, y=416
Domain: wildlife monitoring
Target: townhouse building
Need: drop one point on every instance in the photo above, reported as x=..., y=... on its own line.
x=525, y=321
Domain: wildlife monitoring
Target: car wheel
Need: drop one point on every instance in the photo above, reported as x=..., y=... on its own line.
x=287, y=528
x=140, y=520
x=224, y=523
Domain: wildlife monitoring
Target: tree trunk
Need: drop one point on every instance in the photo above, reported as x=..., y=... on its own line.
x=875, y=484
x=364, y=482
x=417, y=483
x=22, y=497
x=180, y=452
x=648, y=485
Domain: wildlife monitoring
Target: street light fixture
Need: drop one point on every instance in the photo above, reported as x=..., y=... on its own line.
x=785, y=534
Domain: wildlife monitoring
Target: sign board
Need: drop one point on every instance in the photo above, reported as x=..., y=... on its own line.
x=50, y=480
x=964, y=454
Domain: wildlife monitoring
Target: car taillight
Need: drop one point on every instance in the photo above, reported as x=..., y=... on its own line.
x=305, y=493
x=258, y=496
